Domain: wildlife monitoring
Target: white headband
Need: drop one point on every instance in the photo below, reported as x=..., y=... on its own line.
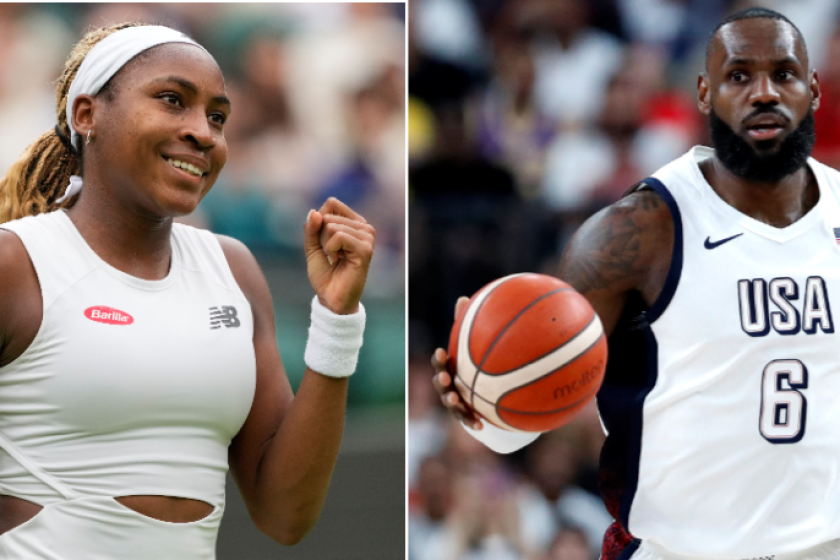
x=103, y=61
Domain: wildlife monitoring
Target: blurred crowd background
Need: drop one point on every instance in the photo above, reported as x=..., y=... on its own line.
x=526, y=117
x=318, y=109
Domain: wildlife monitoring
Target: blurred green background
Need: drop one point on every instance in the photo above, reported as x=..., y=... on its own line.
x=318, y=110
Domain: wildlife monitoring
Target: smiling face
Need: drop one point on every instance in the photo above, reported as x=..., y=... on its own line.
x=759, y=94
x=158, y=142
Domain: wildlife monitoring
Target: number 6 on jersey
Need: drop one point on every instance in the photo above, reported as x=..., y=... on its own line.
x=783, y=409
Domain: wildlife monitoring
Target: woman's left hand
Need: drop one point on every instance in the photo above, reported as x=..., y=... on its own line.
x=339, y=245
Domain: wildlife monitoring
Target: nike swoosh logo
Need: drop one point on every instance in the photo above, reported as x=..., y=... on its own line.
x=712, y=244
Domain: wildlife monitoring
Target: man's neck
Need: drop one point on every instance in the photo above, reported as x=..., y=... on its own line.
x=778, y=204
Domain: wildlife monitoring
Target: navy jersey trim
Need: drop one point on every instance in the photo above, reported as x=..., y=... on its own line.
x=631, y=375
x=675, y=270
x=634, y=436
x=628, y=552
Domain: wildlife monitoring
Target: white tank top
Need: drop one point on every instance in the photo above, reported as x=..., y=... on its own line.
x=721, y=401
x=131, y=386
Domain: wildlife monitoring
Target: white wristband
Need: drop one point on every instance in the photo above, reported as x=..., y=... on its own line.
x=332, y=348
x=499, y=440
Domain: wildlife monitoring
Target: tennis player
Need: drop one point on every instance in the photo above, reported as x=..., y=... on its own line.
x=138, y=358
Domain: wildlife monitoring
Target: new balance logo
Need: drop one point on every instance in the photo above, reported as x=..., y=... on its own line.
x=226, y=315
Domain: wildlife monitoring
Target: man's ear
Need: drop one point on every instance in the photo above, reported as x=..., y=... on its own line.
x=815, y=91
x=704, y=95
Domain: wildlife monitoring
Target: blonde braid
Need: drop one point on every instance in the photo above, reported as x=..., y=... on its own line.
x=34, y=182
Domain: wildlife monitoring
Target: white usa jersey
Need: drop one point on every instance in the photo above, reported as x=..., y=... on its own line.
x=722, y=401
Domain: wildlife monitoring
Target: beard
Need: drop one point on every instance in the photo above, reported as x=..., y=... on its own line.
x=770, y=166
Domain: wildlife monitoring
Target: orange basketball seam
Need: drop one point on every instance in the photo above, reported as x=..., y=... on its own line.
x=553, y=350
x=539, y=392
x=469, y=354
x=502, y=332
x=469, y=334
x=525, y=412
x=580, y=354
x=574, y=404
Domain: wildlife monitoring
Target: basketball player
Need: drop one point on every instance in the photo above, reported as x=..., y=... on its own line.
x=716, y=278
x=138, y=357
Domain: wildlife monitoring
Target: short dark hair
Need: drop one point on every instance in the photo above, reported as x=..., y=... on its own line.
x=753, y=13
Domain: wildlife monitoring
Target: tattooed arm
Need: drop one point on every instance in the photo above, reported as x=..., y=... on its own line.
x=624, y=247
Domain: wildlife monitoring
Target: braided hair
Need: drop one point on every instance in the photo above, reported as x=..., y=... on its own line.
x=34, y=182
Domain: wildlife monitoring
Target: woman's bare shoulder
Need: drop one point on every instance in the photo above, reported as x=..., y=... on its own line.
x=21, y=308
x=15, y=266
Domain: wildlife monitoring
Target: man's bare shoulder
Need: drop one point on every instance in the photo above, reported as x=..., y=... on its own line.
x=625, y=246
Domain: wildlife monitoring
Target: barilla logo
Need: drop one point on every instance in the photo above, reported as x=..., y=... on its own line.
x=108, y=315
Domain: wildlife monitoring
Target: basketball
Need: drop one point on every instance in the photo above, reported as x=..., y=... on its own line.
x=527, y=353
